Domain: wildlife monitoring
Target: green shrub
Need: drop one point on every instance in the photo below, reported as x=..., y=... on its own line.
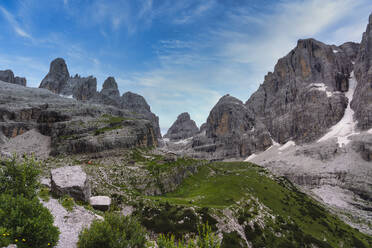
x=19, y=178
x=205, y=239
x=26, y=222
x=67, y=202
x=115, y=231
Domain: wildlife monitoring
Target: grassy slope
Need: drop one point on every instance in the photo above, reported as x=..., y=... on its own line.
x=221, y=185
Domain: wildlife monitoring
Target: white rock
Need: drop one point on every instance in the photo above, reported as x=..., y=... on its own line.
x=71, y=180
x=100, y=202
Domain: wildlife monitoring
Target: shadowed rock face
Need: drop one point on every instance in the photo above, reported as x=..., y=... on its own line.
x=362, y=100
x=8, y=76
x=182, y=128
x=110, y=88
x=233, y=130
x=138, y=105
x=303, y=97
x=57, y=77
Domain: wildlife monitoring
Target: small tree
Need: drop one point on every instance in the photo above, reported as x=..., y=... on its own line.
x=115, y=231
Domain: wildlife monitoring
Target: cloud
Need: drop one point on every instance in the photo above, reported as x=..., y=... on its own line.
x=15, y=25
x=278, y=31
x=195, y=12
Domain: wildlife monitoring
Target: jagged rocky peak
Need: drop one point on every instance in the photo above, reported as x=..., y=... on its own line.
x=235, y=130
x=57, y=77
x=182, y=128
x=227, y=116
x=137, y=104
x=110, y=88
x=295, y=100
x=134, y=102
x=362, y=100
x=8, y=77
x=351, y=49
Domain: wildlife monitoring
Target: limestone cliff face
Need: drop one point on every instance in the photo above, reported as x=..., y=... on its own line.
x=57, y=77
x=182, y=128
x=8, y=76
x=304, y=96
x=58, y=81
x=74, y=126
x=235, y=130
x=362, y=100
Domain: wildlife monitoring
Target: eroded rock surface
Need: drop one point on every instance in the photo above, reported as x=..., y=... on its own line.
x=362, y=101
x=182, y=128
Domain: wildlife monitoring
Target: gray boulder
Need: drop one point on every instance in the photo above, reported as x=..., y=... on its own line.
x=7, y=76
x=57, y=77
x=182, y=128
x=304, y=96
x=100, y=202
x=72, y=181
x=362, y=100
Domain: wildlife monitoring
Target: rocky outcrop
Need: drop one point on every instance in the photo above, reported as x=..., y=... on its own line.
x=100, y=202
x=73, y=126
x=110, y=88
x=138, y=105
x=231, y=131
x=57, y=77
x=303, y=97
x=8, y=77
x=182, y=128
x=20, y=81
x=362, y=100
x=80, y=88
x=72, y=181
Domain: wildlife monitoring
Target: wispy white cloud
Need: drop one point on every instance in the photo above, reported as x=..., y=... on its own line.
x=194, y=13
x=14, y=24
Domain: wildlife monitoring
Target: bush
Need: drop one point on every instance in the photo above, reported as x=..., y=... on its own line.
x=205, y=239
x=23, y=219
x=26, y=222
x=19, y=178
x=115, y=231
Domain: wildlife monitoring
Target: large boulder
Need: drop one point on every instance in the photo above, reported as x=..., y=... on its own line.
x=100, y=202
x=72, y=181
x=304, y=96
x=182, y=128
x=362, y=100
x=57, y=77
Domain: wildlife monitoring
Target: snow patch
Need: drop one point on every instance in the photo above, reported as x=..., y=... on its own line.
x=369, y=131
x=65, y=96
x=252, y=156
x=184, y=141
x=346, y=126
x=287, y=145
x=321, y=87
x=335, y=51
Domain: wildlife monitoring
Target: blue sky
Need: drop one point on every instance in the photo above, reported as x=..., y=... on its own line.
x=181, y=55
